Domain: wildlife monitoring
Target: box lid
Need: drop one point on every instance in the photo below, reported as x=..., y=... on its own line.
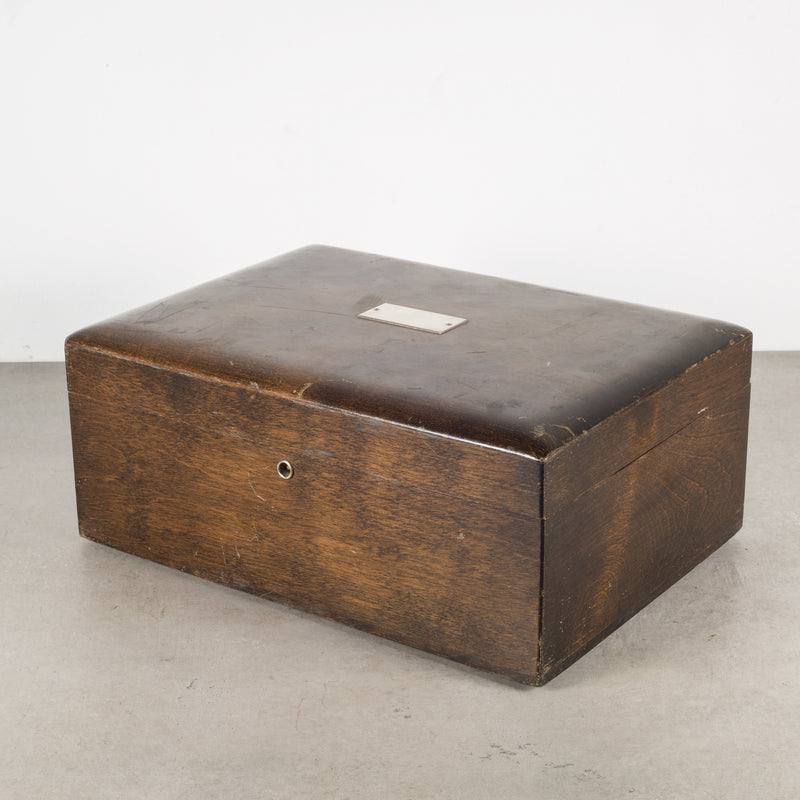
x=531, y=368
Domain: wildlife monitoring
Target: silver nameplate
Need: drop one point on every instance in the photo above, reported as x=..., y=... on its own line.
x=415, y=318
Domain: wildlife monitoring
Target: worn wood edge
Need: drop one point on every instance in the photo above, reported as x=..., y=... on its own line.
x=540, y=626
x=738, y=353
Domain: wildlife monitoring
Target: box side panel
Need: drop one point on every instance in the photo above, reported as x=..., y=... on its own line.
x=630, y=537
x=617, y=441
x=429, y=541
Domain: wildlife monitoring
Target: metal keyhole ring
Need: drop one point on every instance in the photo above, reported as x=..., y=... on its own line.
x=285, y=470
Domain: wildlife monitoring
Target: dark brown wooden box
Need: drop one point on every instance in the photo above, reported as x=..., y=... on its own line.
x=504, y=494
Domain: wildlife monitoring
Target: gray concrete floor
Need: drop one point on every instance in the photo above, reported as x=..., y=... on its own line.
x=120, y=678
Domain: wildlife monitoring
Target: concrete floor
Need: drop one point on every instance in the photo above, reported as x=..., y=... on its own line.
x=120, y=678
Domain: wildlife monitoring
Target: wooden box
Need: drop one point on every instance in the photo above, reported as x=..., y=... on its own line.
x=504, y=493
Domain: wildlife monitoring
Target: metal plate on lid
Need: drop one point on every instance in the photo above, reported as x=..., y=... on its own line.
x=416, y=318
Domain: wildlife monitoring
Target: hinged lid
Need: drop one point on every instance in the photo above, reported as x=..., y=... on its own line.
x=532, y=370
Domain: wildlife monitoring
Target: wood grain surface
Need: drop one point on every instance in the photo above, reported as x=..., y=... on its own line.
x=422, y=539
x=627, y=539
x=504, y=494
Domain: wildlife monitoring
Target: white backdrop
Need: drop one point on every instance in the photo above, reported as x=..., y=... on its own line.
x=646, y=151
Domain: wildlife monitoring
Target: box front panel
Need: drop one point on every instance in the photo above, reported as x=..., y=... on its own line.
x=423, y=539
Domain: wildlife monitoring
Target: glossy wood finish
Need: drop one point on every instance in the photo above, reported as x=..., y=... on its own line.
x=532, y=369
x=504, y=494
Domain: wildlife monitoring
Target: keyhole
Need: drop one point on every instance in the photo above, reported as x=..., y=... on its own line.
x=285, y=470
